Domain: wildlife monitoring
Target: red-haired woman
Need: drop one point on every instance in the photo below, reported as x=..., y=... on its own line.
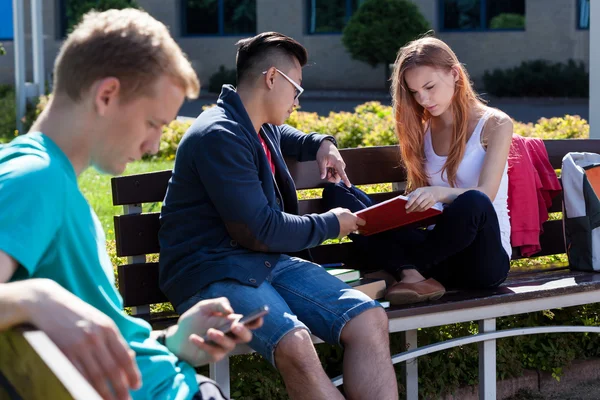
x=454, y=149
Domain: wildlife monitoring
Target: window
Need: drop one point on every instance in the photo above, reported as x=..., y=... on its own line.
x=70, y=12
x=219, y=17
x=478, y=15
x=583, y=14
x=330, y=16
x=6, y=20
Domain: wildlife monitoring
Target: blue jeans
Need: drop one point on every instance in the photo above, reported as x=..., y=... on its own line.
x=463, y=251
x=299, y=294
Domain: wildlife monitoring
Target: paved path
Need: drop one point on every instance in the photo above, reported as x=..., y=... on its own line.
x=583, y=391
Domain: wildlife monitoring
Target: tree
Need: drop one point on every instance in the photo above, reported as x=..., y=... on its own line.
x=2, y=51
x=508, y=21
x=75, y=9
x=379, y=28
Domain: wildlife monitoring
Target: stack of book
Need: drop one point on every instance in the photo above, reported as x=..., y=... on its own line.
x=374, y=288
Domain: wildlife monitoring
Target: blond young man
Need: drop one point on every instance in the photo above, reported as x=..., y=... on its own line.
x=119, y=78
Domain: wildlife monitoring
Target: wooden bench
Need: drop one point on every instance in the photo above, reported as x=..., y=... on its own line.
x=523, y=292
x=32, y=367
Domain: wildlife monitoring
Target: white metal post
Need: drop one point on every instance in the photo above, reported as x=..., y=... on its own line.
x=487, y=362
x=19, y=45
x=37, y=35
x=411, y=367
x=219, y=372
x=594, y=102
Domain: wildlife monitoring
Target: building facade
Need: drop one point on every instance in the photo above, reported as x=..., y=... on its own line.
x=485, y=34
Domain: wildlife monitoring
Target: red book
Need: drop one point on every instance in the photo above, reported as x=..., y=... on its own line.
x=391, y=214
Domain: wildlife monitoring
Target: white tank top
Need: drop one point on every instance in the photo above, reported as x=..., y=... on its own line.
x=468, y=175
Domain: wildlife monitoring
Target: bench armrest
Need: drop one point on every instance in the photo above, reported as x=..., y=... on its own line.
x=33, y=367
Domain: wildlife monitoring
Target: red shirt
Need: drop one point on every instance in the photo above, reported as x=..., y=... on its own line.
x=267, y=152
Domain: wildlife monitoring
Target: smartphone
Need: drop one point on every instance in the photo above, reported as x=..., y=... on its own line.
x=245, y=320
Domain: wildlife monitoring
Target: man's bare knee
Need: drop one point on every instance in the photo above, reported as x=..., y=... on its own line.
x=371, y=325
x=299, y=365
x=297, y=351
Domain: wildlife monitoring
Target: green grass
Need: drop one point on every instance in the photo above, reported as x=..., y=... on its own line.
x=97, y=190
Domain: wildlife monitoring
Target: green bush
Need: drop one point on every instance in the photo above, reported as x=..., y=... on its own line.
x=569, y=127
x=508, y=21
x=170, y=139
x=221, y=77
x=8, y=114
x=33, y=111
x=371, y=124
x=8, y=125
x=539, y=78
x=75, y=9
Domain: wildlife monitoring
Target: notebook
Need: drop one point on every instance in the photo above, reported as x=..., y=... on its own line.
x=344, y=274
x=392, y=214
x=374, y=288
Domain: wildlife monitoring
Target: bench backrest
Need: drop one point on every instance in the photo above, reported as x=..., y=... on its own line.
x=136, y=234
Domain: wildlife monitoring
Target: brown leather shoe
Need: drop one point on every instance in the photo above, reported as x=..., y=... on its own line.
x=408, y=293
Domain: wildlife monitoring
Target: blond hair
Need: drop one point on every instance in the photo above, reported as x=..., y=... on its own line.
x=411, y=118
x=127, y=44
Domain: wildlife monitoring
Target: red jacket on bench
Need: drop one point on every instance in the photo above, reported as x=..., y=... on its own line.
x=532, y=184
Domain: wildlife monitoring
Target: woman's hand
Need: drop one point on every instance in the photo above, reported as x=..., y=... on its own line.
x=424, y=198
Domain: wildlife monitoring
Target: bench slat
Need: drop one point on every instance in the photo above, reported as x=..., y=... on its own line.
x=552, y=240
x=542, y=287
x=137, y=234
x=365, y=165
x=138, y=283
x=35, y=368
x=142, y=188
x=557, y=149
x=511, y=291
x=144, y=277
x=556, y=204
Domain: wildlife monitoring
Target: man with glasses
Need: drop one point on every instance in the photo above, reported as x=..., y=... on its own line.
x=299, y=89
x=230, y=217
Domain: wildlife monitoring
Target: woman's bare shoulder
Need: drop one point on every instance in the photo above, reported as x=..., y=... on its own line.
x=498, y=122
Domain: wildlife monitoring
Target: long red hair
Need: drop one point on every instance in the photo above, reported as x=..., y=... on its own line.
x=411, y=118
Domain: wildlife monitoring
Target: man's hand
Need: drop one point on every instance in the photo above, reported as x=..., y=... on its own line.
x=349, y=222
x=331, y=165
x=424, y=198
x=88, y=338
x=185, y=338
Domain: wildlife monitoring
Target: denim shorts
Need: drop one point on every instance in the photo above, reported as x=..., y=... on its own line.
x=300, y=294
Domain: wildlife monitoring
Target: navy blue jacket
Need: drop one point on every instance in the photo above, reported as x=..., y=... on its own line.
x=225, y=216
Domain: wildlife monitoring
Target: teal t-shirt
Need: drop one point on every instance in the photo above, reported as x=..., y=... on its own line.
x=49, y=228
